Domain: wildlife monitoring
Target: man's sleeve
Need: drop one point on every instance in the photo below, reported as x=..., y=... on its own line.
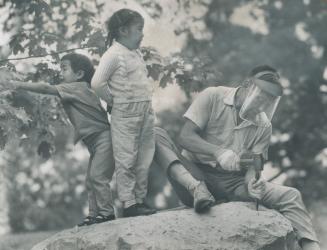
x=262, y=143
x=109, y=63
x=200, y=110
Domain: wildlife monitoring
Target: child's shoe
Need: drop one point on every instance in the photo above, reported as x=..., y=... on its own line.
x=88, y=220
x=103, y=218
x=137, y=210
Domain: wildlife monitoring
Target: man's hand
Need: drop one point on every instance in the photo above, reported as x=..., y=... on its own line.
x=229, y=160
x=257, y=188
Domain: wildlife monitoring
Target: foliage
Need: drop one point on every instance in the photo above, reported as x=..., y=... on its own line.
x=42, y=191
x=219, y=50
x=31, y=121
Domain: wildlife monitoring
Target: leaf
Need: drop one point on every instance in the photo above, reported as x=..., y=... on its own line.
x=44, y=149
x=22, y=116
x=151, y=56
x=15, y=43
x=96, y=40
x=154, y=71
x=164, y=80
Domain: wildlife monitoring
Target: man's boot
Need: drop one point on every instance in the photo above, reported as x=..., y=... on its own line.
x=203, y=199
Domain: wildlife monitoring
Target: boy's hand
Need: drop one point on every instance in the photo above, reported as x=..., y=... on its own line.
x=6, y=76
x=257, y=188
x=10, y=84
x=5, y=83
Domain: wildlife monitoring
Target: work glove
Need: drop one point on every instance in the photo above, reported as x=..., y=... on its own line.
x=257, y=188
x=228, y=160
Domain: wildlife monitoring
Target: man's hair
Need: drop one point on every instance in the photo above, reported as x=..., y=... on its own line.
x=262, y=68
x=80, y=62
x=271, y=74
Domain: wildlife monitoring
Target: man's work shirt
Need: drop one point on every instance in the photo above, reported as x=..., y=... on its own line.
x=122, y=77
x=83, y=109
x=214, y=113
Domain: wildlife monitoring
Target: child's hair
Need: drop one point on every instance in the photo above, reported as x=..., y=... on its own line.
x=121, y=18
x=80, y=62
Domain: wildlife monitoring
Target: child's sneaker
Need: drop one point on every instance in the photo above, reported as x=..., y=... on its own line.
x=88, y=220
x=151, y=210
x=103, y=218
x=137, y=210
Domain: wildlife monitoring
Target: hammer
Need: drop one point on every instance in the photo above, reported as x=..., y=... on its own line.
x=255, y=162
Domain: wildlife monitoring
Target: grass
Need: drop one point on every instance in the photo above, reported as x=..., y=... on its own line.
x=22, y=241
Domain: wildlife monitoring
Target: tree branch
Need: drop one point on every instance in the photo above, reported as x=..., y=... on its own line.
x=43, y=55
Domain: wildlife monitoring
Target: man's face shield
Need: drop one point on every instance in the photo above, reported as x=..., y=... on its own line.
x=261, y=102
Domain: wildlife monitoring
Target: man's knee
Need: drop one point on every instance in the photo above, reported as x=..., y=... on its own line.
x=162, y=138
x=288, y=197
x=240, y=194
x=293, y=193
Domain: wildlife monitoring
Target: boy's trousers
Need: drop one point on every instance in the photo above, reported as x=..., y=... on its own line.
x=132, y=129
x=99, y=173
x=223, y=184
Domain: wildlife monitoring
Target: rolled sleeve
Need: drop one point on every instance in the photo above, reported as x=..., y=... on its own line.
x=201, y=108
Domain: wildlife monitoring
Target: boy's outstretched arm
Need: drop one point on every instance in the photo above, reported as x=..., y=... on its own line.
x=37, y=87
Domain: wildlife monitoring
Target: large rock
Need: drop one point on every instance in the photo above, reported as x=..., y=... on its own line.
x=227, y=226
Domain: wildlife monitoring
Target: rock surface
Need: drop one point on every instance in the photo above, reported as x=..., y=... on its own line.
x=228, y=226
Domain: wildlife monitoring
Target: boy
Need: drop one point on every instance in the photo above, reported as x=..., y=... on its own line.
x=91, y=125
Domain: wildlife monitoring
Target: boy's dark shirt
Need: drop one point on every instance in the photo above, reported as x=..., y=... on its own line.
x=83, y=108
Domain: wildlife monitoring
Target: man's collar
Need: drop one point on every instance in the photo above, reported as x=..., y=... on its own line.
x=229, y=99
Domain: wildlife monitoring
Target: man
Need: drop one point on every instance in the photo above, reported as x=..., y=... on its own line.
x=223, y=126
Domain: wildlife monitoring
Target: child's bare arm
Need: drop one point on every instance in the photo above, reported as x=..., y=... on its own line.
x=37, y=87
